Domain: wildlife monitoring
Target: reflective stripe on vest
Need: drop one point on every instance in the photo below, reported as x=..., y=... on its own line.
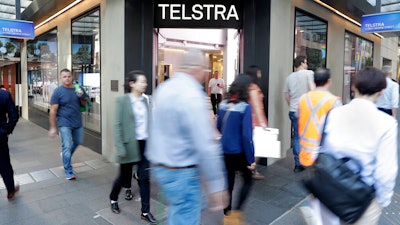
x=311, y=122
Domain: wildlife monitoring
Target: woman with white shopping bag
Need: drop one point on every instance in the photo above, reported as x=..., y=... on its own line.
x=235, y=124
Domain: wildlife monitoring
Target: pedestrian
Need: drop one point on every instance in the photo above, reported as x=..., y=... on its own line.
x=182, y=146
x=131, y=124
x=313, y=108
x=8, y=120
x=216, y=87
x=235, y=124
x=297, y=83
x=65, y=113
x=256, y=100
x=388, y=102
x=371, y=139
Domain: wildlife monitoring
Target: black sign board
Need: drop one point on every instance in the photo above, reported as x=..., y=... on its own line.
x=198, y=13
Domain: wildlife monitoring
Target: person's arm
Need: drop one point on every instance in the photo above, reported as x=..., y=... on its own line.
x=395, y=99
x=118, y=127
x=12, y=114
x=287, y=97
x=247, y=137
x=257, y=108
x=52, y=120
x=386, y=166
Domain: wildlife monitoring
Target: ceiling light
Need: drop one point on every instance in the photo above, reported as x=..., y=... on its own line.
x=58, y=13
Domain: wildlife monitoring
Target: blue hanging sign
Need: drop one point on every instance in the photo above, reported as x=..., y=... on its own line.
x=382, y=22
x=17, y=29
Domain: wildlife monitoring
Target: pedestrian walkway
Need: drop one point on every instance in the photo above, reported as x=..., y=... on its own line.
x=47, y=198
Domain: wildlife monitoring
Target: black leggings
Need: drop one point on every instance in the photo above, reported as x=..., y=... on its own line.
x=233, y=163
x=215, y=100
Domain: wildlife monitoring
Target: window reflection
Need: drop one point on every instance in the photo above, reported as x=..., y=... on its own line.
x=86, y=63
x=310, y=39
x=358, y=54
x=42, y=69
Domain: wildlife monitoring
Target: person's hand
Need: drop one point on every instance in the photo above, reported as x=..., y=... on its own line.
x=52, y=132
x=252, y=166
x=218, y=200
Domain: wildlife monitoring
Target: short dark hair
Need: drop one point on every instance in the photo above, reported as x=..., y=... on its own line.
x=132, y=77
x=65, y=70
x=321, y=76
x=370, y=81
x=239, y=88
x=298, y=60
x=252, y=72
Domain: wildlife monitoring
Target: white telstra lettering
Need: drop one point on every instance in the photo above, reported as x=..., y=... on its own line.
x=197, y=12
x=219, y=10
x=208, y=6
x=163, y=6
x=173, y=11
x=232, y=13
x=184, y=17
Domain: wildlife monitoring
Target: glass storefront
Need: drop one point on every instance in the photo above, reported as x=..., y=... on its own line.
x=86, y=63
x=42, y=69
x=310, y=39
x=358, y=54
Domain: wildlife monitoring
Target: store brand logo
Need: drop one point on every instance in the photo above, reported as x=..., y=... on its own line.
x=198, y=12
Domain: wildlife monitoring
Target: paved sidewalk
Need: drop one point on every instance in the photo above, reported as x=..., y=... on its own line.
x=47, y=198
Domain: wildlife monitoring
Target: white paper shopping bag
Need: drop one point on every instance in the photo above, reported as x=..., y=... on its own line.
x=266, y=142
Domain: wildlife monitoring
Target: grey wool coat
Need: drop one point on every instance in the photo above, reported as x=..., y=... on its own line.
x=124, y=131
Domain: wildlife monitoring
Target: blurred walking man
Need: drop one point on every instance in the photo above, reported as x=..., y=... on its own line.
x=182, y=146
x=8, y=120
x=388, y=102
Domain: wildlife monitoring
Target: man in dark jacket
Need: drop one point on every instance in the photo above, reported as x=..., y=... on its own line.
x=8, y=119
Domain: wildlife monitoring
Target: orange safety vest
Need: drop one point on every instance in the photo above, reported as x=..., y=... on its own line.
x=313, y=108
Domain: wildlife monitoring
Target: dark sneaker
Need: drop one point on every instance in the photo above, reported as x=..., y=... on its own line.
x=115, y=208
x=128, y=195
x=11, y=195
x=148, y=217
x=298, y=169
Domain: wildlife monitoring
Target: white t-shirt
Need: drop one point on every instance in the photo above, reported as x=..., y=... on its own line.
x=213, y=84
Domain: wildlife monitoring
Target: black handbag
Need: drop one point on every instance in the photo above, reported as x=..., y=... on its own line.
x=339, y=188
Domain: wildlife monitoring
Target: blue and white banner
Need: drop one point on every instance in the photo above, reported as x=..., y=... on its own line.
x=17, y=29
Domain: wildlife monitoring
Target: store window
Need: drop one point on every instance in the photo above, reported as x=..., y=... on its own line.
x=42, y=69
x=358, y=54
x=310, y=39
x=86, y=63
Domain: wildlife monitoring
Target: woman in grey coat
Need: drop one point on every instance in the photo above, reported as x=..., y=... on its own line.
x=131, y=124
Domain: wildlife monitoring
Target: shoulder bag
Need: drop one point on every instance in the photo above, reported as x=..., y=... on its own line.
x=339, y=188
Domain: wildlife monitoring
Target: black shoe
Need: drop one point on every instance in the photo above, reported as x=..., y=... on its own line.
x=128, y=195
x=11, y=195
x=298, y=169
x=148, y=217
x=115, y=208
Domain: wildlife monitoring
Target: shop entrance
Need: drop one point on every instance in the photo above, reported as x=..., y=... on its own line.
x=220, y=46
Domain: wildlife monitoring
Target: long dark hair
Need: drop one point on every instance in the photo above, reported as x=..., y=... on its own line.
x=252, y=72
x=238, y=91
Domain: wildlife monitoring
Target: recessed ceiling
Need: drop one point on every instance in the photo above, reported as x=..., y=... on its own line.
x=7, y=8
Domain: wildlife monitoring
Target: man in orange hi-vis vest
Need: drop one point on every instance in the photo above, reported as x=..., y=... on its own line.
x=313, y=108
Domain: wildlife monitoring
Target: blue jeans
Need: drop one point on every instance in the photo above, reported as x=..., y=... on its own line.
x=296, y=144
x=70, y=139
x=181, y=190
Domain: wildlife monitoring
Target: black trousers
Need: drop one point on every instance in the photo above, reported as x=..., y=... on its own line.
x=124, y=179
x=233, y=163
x=215, y=100
x=6, y=170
